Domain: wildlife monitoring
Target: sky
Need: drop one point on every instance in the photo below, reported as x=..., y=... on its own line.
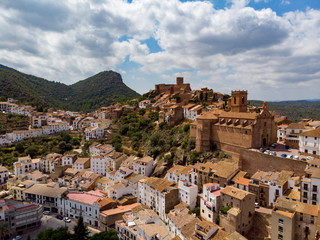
x=269, y=47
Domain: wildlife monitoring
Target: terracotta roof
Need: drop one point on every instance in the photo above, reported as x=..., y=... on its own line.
x=145, y=159
x=177, y=168
x=239, y=115
x=45, y=190
x=105, y=201
x=292, y=194
x=120, y=209
x=153, y=229
x=294, y=206
x=243, y=181
x=298, y=126
x=311, y=133
x=207, y=116
x=81, y=160
x=235, y=192
x=240, y=174
x=158, y=183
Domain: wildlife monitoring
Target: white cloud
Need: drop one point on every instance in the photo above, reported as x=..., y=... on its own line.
x=232, y=48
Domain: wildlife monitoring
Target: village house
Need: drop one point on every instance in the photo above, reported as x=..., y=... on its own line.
x=46, y=194
x=93, y=133
x=145, y=104
x=292, y=134
x=242, y=183
x=194, y=112
x=241, y=206
x=118, y=190
x=99, y=164
x=188, y=193
x=210, y=231
x=309, y=142
x=98, y=149
x=140, y=215
x=85, y=180
x=81, y=163
x=4, y=176
x=87, y=204
x=143, y=166
x=210, y=201
x=25, y=164
x=69, y=159
x=310, y=183
x=294, y=220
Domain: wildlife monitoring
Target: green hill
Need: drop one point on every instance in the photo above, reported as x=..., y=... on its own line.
x=87, y=95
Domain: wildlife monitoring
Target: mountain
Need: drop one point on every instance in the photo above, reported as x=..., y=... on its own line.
x=102, y=89
x=294, y=110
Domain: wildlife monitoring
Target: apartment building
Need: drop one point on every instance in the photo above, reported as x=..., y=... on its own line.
x=99, y=164
x=159, y=194
x=241, y=206
x=292, y=133
x=294, y=220
x=21, y=217
x=93, y=133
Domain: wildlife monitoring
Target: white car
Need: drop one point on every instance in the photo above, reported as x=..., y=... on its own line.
x=67, y=220
x=290, y=156
x=46, y=212
x=296, y=157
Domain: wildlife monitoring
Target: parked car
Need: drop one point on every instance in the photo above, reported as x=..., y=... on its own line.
x=59, y=217
x=283, y=155
x=261, y=150
x=46, y=212
x=17, y=237
x=273, y=153
x=296, y=157
x=67, y=220
x=310, y=158
x=303, y=159
x=274, y=145
x=256, y=205
x=267, y=152
x=290, y=156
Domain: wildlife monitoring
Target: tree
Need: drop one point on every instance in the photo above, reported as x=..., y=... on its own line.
x=4, y=229
x=81, y=232
x=110, y=235
x=142, y=111
x=60, y=233
x=20, y=147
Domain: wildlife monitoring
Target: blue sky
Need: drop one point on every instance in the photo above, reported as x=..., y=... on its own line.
x=269, y=47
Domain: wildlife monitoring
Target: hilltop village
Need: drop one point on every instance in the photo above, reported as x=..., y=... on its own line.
x=240, y=172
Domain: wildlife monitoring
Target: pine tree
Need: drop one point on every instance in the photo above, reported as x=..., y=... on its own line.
x=81, y=231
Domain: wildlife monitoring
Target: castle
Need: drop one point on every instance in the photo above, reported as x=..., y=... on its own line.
x=173, y=88
x=233, y=130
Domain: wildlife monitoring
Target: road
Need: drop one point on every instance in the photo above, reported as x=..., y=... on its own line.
x=50, y=221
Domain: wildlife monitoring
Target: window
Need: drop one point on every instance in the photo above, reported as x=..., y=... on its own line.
x=280, y=236
x=305, y=194
x=280, y=221
x=314, y=188
x=280, y=228
x=305, y=186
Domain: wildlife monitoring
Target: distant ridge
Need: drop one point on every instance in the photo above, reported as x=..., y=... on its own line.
x=87, y=95
x=294, y=110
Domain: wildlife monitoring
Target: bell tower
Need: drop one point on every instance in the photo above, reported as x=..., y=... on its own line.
x=239, y=101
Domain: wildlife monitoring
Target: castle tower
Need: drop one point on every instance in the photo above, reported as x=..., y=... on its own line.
x=239, y=101
x=179, y=80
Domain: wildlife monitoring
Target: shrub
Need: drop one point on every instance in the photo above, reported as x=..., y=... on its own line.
x=186, y=127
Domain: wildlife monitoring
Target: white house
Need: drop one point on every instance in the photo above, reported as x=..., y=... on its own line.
x=144, y=104
x=69, y=159
x=194, y=112
x=4, y=175
x=188, y=193
x=143, y=166
x=310, y=183
x=98, y=149
x=186, y=110
x=94, y=133
x=210, y=202
x=25, y=164
x=98, y=164
x=292, y=133
x=309, y=142
x=118, y=190
x=88, y=204
x=81, y=163
x=281, y=133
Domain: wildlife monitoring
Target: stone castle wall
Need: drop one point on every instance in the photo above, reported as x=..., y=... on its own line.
x=252, y=161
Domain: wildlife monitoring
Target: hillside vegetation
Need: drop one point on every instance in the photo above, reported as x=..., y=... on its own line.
x=294, y=110
x=10, y=122
x=102, y=89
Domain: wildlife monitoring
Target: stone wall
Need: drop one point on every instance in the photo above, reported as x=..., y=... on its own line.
x=252, y=161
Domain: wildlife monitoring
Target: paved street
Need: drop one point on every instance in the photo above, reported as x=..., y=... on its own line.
x=50, y=221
